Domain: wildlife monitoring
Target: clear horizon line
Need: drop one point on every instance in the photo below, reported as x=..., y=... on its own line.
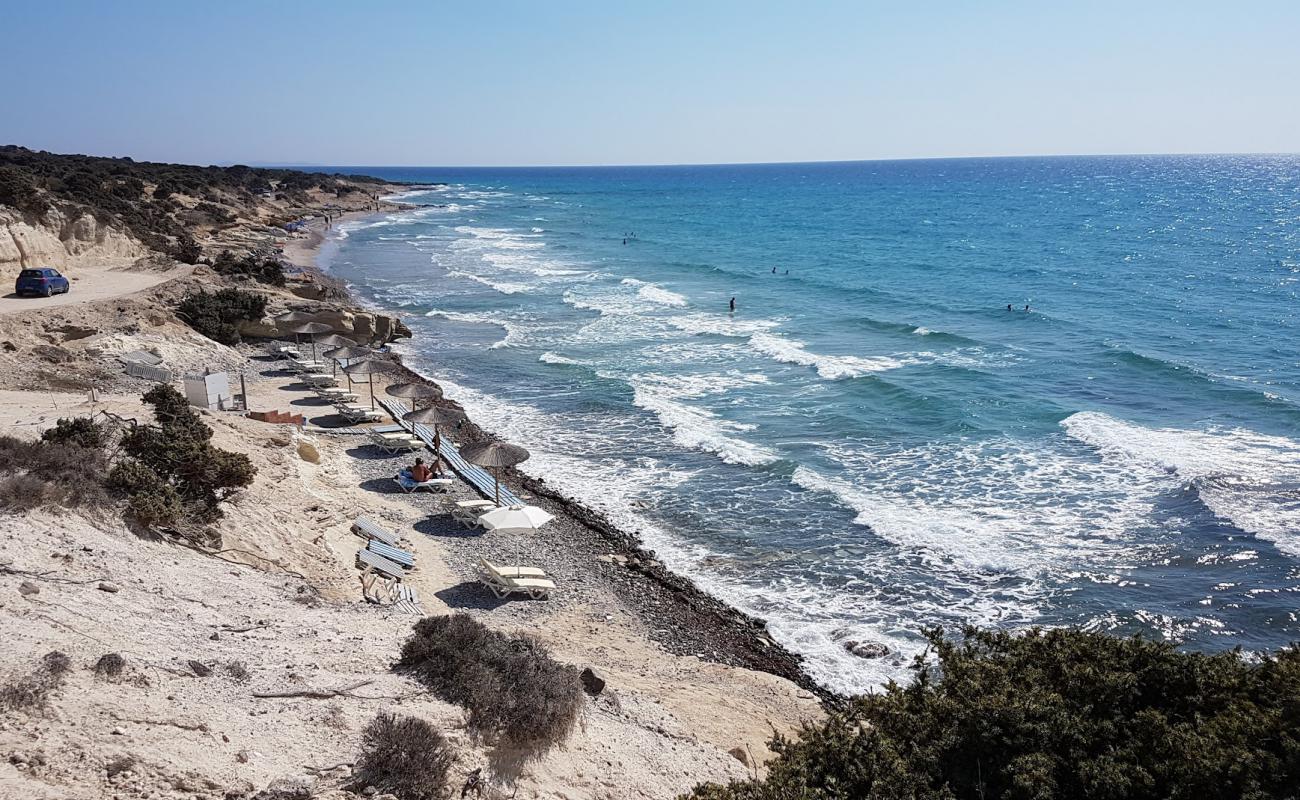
x=318, y=165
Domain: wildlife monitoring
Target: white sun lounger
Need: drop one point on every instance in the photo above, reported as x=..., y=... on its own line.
x=367, y=528
x=512, y=571
x=355, y=415
x=412, y=485
x=503, y=586
x=396, y=442
x=318, y=379
x=467, y=512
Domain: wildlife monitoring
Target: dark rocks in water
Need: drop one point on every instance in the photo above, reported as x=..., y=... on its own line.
x=866, y=649
x=593, y=683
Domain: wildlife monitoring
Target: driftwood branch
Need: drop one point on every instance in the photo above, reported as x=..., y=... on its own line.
x=244, y=628
x=317, y=694
x=185, y=726
x=322, y=770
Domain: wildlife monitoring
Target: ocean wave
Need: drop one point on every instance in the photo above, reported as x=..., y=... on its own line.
x=721, y=325
x=513, y=332
x=831, y=368
x=503, y=287
x=699, y=428
x=655, y=294
x=1248, y=478
x=554, y=358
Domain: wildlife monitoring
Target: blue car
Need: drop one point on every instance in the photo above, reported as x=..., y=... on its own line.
x=44, y=281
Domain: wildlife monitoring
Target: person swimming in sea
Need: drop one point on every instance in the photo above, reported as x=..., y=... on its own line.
x=1009, y=308
x=733, y=305
x=773, y=270
x=1026, y=308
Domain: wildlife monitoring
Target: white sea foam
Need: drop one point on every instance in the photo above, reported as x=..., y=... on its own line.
x=503, y=287
x=695, y=427
x=1248, y=478
x=655, y=293
x=721, y=324
x=831, y=368
x=514, y=333
x=554, y=358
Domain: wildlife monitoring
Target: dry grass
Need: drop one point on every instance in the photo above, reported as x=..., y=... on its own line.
x=518, y=697
x=110, y=665
x=404, y=756
x=32, y=691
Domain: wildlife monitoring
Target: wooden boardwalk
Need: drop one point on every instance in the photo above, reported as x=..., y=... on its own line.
x=472, y=474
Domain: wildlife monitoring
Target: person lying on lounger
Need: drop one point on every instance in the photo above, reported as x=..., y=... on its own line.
x=420, y=472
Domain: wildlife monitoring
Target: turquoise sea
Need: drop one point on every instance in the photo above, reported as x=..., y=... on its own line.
x=873, y=442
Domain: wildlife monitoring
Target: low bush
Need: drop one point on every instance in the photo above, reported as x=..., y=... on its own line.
x=404, y=756
x=64, y=468
x=217, y=315
x=171, y=471
x=262, y=270
x=110, y=665
x=516, y=694
x=32, y=691
x=80, y=431
x=1053, y=714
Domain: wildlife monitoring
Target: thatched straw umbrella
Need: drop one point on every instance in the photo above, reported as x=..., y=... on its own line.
x=312, y=329
x=294, y=316
x=368, y=368
x=335, y=341
x=347, y=354
x=494, y=455
x=414, y=392
x=435, y=416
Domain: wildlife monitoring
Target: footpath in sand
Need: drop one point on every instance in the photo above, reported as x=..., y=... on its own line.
x=280, y=609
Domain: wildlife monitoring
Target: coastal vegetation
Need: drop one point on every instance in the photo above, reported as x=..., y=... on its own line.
x=1052, y=714
x=160, y=204
x=404, y=756
x=217, y=314
x=518, y=697
x=168, y=473
x=249, y=267
x=31, y=691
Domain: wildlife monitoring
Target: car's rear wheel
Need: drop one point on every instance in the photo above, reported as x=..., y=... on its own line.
x=49, y=291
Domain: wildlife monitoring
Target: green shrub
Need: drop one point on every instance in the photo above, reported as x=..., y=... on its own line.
x=516, y=694
x=403, y=756
x=1053, y=714
x=172, y=471
x=263, y=270
x=81, y=431
x=54, y=471
x=217, y=315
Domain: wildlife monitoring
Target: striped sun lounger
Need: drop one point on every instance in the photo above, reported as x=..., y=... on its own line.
x=372, y=562
x=367, y=528
x=394, y=554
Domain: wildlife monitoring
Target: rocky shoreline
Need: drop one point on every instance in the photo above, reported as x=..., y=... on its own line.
x=677, y=614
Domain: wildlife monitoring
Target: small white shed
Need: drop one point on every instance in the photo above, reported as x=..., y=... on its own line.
x=209, y=391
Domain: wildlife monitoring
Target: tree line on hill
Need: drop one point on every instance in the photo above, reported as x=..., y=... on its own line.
x=139, y=194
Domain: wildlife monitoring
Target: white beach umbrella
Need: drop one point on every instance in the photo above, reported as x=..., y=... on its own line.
x=517, y=519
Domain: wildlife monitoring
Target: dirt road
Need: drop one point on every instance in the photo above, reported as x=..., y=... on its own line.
x=89, y=284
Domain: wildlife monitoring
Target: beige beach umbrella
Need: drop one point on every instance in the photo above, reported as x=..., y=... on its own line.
x=368, y=368
x=414, y=392
x=334, y=340
x=494, y=455
x=347, y=353
x=435, y=416
x=312, y=329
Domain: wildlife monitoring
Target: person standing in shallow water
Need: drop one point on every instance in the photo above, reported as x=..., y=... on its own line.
x=733, y=305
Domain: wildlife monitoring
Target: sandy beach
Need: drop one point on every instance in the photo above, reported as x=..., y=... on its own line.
x=694, y=689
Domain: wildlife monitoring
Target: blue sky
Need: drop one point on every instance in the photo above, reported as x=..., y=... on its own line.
x=432, y=83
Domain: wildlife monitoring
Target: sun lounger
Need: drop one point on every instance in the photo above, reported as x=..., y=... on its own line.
x=370, y=561
x=356, y=415
x=318, y=379
x=512, y=571
x=307, y=365
x=409, y=484
x=395, y=554
x=378, y=571
x=367, y=528
x=336, y=394
x=280, y=350
x=503, y=585
x=396, y=442
x=467, y=512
